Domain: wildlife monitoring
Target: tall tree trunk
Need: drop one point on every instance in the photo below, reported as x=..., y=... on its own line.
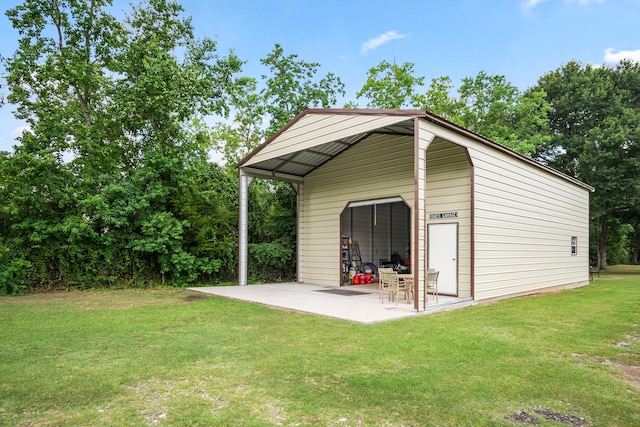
x=601, y=243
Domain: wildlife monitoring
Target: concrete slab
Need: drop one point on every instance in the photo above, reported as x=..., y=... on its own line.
x=359, y=304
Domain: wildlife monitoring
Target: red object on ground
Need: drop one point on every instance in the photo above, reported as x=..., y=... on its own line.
x=360, y=279
x=367, y=278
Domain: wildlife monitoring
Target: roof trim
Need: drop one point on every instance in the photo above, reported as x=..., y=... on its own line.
x=439, y=121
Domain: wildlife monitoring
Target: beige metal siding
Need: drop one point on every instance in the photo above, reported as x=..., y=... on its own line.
x=449, y=190
x=316, y=129
x=377, y=167
x=524, y=220
x=524, y=223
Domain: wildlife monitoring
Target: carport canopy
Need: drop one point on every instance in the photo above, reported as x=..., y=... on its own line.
x=310, y=140
x=316, y=136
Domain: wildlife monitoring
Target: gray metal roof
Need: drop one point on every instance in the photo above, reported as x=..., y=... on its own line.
x=302, y=162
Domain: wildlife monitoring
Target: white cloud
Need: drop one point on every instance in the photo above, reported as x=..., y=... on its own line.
x=17, y=132
x=615, y=57
x=376, y=42
x=530, y=4
x=585, y=2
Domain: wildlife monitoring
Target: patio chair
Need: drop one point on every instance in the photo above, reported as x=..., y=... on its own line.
x=432, y=282
x=391, y=285
x=381, y=279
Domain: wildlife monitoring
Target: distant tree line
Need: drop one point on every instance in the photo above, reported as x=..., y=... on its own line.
x=112, y=184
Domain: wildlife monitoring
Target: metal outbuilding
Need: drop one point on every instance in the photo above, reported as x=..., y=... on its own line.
x=410, y=184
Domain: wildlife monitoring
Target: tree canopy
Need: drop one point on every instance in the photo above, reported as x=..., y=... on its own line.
x=90, y=193
x=392, y=86
x=485, y=104
x=595, y=138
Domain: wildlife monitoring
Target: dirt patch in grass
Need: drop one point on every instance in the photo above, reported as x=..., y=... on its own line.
x=631, y=374
x=570, y=420
x=628, y=343
x=190, y=298
x=523, y=417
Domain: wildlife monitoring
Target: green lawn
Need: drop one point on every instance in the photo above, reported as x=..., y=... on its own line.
x=170, y=357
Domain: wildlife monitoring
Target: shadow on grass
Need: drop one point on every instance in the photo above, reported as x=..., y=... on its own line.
x=621, y=270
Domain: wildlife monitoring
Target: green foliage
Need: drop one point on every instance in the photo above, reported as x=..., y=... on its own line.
x=91, y=196
x=291, y=86
x=14, y=271
x=485, y=104
x=633, y=237
x=237, y=139
x=391, y=86
x=209, y=204
x=262, y=108
x=271, y=260
x=111, y=185
x=272, y=227
x=618, y=249
x=494, y=108
x=439, y=100
x=595, y=138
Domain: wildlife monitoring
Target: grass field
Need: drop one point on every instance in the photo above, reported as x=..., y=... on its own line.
x=170, y=357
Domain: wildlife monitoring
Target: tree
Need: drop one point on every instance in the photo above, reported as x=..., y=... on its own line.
x=633, y=219
x=109, y=105
x=439, y=100
x=392, y=86
x=485, y=104
x=246, y=131
x=494, y=108
x=291, y=86
x=595, y=138
x=260, y=109
x=209, y=204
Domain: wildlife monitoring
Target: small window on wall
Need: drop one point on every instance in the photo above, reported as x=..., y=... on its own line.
x=574, y=245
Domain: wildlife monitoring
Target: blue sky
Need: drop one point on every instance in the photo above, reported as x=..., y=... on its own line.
x=520, y=39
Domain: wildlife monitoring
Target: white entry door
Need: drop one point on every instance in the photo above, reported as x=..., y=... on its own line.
x=443, y=256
